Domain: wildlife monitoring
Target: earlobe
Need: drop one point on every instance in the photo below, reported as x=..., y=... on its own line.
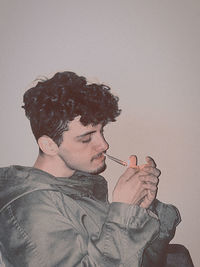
x=47, y=145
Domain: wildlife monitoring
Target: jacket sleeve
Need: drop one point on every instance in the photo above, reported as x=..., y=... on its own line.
x=169, y=218
x=39, y=235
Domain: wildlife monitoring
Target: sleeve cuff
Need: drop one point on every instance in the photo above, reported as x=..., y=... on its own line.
x=129, y=215
x=168, y=216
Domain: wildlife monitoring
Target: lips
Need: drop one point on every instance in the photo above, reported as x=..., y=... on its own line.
x=99, y=156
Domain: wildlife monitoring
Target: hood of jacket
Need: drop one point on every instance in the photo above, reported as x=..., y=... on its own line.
x=17, y=181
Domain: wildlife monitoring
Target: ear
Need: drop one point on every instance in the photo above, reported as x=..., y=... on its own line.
x=47, y=145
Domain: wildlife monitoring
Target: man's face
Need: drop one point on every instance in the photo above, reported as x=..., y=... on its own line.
x=82, y=148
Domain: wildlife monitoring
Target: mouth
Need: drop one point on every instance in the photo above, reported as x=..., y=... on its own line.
x=99, y=156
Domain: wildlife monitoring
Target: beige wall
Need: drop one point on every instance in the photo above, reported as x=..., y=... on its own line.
x=148, y=51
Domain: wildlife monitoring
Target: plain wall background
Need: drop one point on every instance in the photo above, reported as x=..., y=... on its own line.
x=147, y=51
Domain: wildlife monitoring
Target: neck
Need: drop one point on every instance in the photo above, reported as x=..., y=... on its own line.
x=53, y=165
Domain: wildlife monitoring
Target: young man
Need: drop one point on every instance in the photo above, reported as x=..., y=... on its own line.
x=57, y=213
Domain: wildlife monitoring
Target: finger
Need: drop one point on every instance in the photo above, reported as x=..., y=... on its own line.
x=148, y=199
x=128, y=174
x=150, y=178
x=144, y=203
x=150, y=170
x=142, y=196
x=132, y=161
x=150, y=161
x=151, y=194
x=151, y=187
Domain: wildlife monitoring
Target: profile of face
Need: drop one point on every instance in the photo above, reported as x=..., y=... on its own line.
x=83, y=147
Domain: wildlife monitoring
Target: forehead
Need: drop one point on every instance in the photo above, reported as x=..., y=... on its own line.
x=76, y=128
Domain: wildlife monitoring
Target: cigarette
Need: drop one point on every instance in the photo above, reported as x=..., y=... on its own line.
x=119, y=161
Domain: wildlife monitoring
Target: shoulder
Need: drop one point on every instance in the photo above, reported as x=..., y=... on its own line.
x=35, y=211
x=39, y=204
x=36, y=215
x=37, y=224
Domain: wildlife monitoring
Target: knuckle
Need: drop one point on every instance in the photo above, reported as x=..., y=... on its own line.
x=130, y=170
x=159, y=172
x=154, y=179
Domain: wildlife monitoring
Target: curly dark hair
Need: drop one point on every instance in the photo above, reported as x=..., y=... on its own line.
x=53, y=103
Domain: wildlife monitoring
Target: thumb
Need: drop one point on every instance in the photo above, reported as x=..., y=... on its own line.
x=132, y=161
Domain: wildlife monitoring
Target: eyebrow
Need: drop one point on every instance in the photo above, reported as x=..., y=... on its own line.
x=85, y=134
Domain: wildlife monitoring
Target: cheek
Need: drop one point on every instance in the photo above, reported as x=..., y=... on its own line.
x=70, y=148
x=75, y=153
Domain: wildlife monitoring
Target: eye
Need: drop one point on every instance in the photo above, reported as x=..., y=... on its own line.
x=86, y=141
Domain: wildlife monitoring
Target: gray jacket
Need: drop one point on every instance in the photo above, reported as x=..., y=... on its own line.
x=47, y=221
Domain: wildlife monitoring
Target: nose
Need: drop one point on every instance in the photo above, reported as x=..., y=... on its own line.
x=101, y=144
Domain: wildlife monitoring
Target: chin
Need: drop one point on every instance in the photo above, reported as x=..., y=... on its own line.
x=99, y=170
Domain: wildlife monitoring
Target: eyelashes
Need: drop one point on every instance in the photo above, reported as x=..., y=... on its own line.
x=88, y=138
x=86, y=141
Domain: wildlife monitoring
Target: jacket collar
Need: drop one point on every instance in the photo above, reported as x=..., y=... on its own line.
x=83, y=184
x=16, y=181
